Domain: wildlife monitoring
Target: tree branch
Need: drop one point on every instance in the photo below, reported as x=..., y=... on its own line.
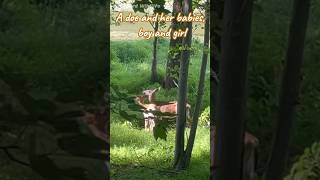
x=11, y=157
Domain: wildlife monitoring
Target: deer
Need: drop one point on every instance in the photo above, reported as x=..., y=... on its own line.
x=150, y=94
x=249, y=154
x=168, y=109
x=96, y=121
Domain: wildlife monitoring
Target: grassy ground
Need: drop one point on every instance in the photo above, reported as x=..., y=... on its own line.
x=135, y=154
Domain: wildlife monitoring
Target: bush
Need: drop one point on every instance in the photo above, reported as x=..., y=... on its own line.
x=131, y=52
x=62, y=49
x=308, y=165
x=204, y=118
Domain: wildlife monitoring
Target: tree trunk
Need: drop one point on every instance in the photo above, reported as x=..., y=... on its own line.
x=216, y=39
x=216, y=33
x=174, y=54
x=154, y=74
x=182, y=92
x=289, y=90
x=231, y=100
x=196, y=113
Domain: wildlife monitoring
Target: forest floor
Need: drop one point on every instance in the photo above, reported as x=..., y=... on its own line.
x=135, y=154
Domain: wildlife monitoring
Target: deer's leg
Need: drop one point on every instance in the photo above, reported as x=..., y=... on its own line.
x=152, y=118
x=146, y=124
x=146, y=121
x=249, y=162
x=149, y=121
x=151, y=124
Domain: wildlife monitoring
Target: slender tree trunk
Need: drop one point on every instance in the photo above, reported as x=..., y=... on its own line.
x=196, y=113
x=231, y=100
x=107, y=93
x=182, y=92
x=289, y=90
x=154, y=74
x=174, y=54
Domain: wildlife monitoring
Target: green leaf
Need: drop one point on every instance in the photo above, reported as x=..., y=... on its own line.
x=75, y=145
x=160, y=130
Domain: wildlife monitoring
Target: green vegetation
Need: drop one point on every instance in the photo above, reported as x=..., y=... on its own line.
x=204, y=118
x=267, y=53
x=308, y=165
x=131, y=65
x=136, y=154
x=52, y=53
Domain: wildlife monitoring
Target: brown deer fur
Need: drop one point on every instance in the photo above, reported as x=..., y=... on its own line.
x=96, y=122
x=249, y=154
x=162, y=107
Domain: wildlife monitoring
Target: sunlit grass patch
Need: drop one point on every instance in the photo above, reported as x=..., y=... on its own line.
x=135, y=151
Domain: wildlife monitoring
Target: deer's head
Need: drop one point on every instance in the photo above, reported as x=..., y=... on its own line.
x=139, y=99
x=150, y=94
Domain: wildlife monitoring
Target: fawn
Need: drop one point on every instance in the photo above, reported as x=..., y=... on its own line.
x=249, y=154
x=166, y=109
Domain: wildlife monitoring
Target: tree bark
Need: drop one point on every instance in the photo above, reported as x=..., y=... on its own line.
x=216, y=21
x=289, y=90
x=201, y=85
x=174, y=54
x=182, y=91
x=216, y=33
x=231, y=100
x=154, y=74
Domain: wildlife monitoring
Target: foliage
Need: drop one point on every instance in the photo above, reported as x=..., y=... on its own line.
x=35, y=40
x=131, y=52
x=52, y=58
x=308, y=165
x=204, y=118
x=267, y=53
x=126, y=64
x=35, y=125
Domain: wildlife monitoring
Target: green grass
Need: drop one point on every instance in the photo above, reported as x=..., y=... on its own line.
x=135, y=154
x=132, y=74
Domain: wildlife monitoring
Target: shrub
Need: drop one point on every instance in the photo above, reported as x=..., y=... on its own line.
x=308, y=165
x=204, y=118
x=131, y=52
